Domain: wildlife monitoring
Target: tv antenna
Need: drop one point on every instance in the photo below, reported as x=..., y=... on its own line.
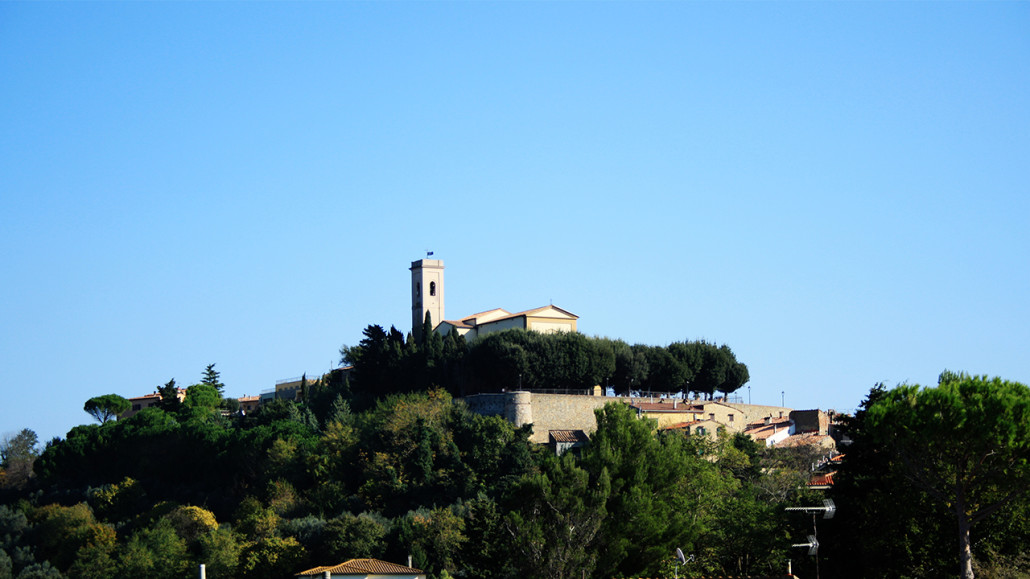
x=812, y=544
x=828, y=510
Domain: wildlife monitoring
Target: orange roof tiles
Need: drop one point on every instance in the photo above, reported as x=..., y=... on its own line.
x=668, y=406
x=362, y=567
x=568, y=436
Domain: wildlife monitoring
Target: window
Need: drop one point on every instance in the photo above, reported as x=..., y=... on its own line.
x=432, y=288
x=711, y=416
x=418, y=289
x=730, y=418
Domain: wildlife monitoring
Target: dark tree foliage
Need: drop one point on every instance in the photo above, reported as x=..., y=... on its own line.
x=716, y=370
x=555, y=519
x=378, y=459
x=106, y=407
x=18, y=454
x=213, y=378
x=387, y=363
x=892, y=528
x=169, y=397
x=515, y=359
x=665, y=372
x=887, y=486
x=965, y=443
x=631, y=368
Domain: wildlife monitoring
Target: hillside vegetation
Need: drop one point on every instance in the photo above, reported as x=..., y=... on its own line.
x=386, y=464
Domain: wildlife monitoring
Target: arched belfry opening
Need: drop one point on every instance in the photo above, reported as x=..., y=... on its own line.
x=426, y=273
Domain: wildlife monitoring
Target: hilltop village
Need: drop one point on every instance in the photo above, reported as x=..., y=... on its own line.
x=510, y=445
x=564, y=418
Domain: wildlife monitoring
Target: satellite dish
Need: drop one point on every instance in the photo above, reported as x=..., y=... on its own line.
x=679, y=555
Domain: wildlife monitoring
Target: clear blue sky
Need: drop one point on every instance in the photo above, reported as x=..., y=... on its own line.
x=838, y=191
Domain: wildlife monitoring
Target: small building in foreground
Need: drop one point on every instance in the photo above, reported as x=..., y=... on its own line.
x=363, y=568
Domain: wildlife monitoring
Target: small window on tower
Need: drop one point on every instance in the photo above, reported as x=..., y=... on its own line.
x=432, y=288
x=418, y=289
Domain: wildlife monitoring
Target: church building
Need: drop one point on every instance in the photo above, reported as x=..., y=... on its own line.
x=427, y=295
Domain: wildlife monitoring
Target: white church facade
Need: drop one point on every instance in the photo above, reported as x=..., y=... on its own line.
x=427, y=296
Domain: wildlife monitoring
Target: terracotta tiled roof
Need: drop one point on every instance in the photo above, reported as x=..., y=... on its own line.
x=677, y=425
x=542, y=308
x=667, y=406
x=502, y=314
x=766, y=430
x=362, y=567
x=155, y=396
x=806, y=439
x=822, y=480
x=457, y=324
x=474, y=318
x=688, y=425
x=568, y=436
x=760, y=423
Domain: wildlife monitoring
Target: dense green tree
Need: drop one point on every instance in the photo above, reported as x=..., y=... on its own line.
x=966, y=443
x=219, y=550
x=18, y=454
x=6, y=565
x=203, y=398
x=663, y=493
x=169, y=397
x=665, y=373
x=271, y=558
x=487, y=551
x=719, y=370
x=213, y=378
x=631, y=367
x=498, y=363
x=354, y=537
x=155, y=552
x=379, y=366
x=42, y=570
x=61, y=532
x=555, y=519
x=106, y=407
x=94, y=561
x=435, y=537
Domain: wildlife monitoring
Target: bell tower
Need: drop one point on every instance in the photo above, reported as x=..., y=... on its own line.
x=426, y=294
